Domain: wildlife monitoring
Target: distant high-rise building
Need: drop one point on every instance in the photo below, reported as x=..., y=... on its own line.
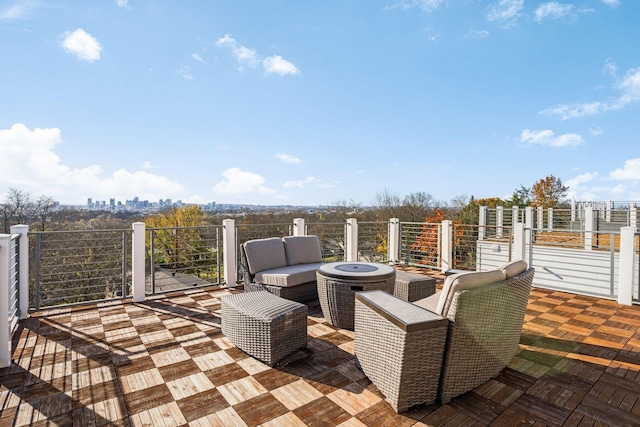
x=89, y=202
x=112, y=202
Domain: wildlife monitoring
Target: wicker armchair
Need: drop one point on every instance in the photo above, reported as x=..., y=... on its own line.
x=485, y=311
x=485, y=325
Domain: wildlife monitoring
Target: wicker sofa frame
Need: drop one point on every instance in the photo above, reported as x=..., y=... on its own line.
x=305, y=292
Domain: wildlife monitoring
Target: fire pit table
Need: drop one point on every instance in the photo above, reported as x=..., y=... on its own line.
x=338, y=283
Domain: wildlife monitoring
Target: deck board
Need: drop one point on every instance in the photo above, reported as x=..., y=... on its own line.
x=166, y=362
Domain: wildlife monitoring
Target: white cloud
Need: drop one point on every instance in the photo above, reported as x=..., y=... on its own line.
x=479, y=33
x=197, y=57
x=300, y=183
x=28, y=161
x=123, y=3
x=82, y=44
x=431, y=36
x=548, y=138
x=276, y=65
x=629, y=88
x=288, y=158
x=245, y=56
x=185, y=72
x=425, y=5
x=581, y=179
x=238, y=182
x=17, y=11
x=630, y=170
x=149, y=165
x=597, y=131
x=611, y=3
x=553, y=10
x=505, y=11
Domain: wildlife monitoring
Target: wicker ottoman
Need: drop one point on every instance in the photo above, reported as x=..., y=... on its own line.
x=399, y=347
x=263, y=325
x=412, y=286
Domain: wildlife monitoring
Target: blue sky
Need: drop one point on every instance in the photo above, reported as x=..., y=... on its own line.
x=318, y=102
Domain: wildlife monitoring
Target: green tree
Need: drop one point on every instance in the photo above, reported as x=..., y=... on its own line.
x=521, y=197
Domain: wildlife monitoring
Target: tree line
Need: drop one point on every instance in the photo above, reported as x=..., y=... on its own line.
x=42, y=214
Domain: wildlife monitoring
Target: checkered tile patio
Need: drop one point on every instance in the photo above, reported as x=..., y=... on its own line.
x=165, y=362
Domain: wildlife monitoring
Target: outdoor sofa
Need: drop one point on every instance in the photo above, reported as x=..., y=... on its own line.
x=285, y=266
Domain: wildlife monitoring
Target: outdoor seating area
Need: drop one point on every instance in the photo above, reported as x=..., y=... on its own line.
x=168, y=360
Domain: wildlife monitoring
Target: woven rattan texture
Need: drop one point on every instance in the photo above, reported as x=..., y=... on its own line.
x=405, y=367
x=263, y=325
x=412, y=286
x=337, y=296
x=484, y=331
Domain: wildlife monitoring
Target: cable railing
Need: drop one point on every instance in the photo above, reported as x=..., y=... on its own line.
x=14, y=277
x=420, y=244
x=184, y=257
x=72, y=267
x=79, y=266
x=373, y=241
x=332, y=239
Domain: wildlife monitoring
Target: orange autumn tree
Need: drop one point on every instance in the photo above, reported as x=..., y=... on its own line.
x=425, y=249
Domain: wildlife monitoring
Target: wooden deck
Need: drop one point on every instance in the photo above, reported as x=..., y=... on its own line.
x=165, y=362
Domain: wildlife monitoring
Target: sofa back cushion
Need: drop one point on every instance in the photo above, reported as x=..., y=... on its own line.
x=302, y=249
x=513, y=268
x=465, y=281
x=264, y=254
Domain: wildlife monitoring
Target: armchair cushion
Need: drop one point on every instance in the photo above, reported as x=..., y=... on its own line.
x=513, y=268
x=464, y=281
x=302, y=249
x=430, y=302
x=265, y=254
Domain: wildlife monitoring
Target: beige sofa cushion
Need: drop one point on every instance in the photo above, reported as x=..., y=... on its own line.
x=430, y=302
x=513, y=268
x=265, y=254
x=464, y=281
x=290, y=275
x=302, y=249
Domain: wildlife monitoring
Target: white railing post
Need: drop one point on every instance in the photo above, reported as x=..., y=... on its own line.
x=550, y=219
x=23, y=260
x=518, y=242
x=351, y=240
x=298, y=227
x=394, y=240
x=499, y=220
x=138, y=261
x=5, y=333
x=608, y=209
x=515, y=213
x=482, y=222
x=627, y=265
x=633, y=216
x=528, y=223
x=573, y=210
x=229, y=251
x=540, y=221
x=588, y=228
x=447, y=246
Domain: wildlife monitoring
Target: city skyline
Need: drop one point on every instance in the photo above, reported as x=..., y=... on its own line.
x=314, y=104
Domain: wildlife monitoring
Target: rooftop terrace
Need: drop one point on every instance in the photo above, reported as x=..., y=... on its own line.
x=165, y=362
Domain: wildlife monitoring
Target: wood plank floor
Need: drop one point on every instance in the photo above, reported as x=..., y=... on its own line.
x=165, y=362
